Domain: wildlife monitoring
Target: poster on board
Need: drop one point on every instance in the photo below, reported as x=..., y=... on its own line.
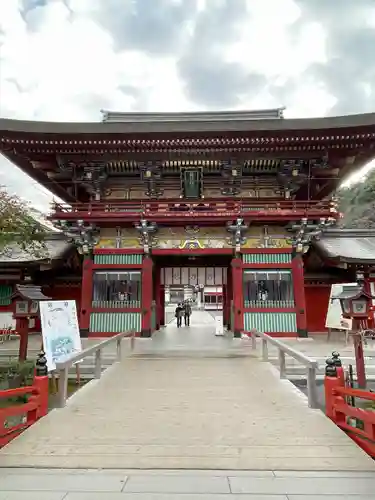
x=334, y=319
x=60, y=330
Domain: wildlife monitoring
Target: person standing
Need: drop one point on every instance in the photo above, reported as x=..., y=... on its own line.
x=178, y=313
x=187, y=313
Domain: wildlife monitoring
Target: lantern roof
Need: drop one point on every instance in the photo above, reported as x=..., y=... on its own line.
x=351, y=292
x=30, y=292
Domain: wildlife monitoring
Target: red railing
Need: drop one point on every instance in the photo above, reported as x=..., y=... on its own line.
x=27, y=413
x=358, y=423
x=168, y=208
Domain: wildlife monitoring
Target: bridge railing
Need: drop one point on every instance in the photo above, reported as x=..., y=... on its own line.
x=23, y=414
x=310, y=364
x=63, y=367
x=342, y=408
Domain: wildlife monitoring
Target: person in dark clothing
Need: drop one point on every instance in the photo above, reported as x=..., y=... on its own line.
x=179, y=312
x=187, y=313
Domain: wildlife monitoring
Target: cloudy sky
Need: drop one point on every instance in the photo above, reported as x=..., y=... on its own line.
x=64, y=60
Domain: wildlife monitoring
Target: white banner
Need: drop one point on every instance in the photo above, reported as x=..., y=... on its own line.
x=60, y=330
x=335, y=319
x=219, y=326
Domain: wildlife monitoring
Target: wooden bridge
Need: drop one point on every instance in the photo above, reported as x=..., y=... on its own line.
x=186, y=400
x=184, y=416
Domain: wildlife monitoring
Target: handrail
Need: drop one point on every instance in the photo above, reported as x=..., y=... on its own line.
x=35, y=408
x=344, y=414
x=63, y=367
x=161, y=206
x=283, y=349
x=355, y=393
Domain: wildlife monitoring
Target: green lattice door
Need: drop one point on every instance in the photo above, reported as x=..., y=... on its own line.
x=191, y=183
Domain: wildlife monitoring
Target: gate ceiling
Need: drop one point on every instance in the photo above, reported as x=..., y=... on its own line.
x=208, y=276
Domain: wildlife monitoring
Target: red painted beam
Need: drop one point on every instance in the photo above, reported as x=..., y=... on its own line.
x=266, y=250
x=115, y=309
x=267, y=266
x=98, y=267
x=269, y=309
x=117, y=251
x=198, y=251
x=193, y=218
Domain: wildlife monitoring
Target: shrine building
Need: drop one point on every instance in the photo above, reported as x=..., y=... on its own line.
x=235, y=204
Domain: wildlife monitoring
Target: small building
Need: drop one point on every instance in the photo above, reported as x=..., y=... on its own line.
x=337, y=257
x=57, y=270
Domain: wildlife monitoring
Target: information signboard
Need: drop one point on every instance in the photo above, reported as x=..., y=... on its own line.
x=334, y=318
x=60, y=330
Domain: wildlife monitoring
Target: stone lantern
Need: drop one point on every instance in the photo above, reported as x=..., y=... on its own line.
x=26, y=300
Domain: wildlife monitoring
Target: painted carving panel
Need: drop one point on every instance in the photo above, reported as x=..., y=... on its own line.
x=266, y=237
x=191, y=238
x=119, y=238
x=195, y=238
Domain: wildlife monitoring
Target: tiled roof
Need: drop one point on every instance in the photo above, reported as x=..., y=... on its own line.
x=55, y=248
x=31, y=292
x=349, y=245
x=193, y=122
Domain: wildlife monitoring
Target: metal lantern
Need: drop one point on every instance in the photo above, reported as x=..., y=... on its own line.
x=355, y=303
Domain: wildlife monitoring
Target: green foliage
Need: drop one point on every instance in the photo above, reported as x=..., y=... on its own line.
x=16, y=374
x=17, y=227
x=357, y=203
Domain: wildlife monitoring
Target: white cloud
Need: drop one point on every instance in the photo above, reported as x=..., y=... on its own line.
x=60, y=62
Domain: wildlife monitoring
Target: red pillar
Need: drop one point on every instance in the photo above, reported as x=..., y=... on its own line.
x=332, y=382
x=22, y=328
x=237, y=283
x=162, y=305
x=224, y=299
x=157, y=287
x=229, y=297
x=42, y=383
x=86, y=296
x=359, y=357
x=299, y=294
x=147, y=292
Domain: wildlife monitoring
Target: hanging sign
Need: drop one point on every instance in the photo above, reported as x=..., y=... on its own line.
x=60, y=330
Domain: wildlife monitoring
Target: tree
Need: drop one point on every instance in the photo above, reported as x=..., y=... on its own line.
x=18, y=227
x=357, y=204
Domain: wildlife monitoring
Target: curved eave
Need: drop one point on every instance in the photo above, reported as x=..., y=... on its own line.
x=37, y=175
x=349, y=246
x=352, y=123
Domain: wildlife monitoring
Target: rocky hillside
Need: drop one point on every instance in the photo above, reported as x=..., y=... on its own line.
x=357, y=203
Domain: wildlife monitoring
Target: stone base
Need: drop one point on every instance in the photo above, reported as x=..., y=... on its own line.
x=302, y=332
x=84, y=333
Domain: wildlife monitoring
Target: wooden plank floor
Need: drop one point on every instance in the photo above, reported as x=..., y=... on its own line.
x=219, y=412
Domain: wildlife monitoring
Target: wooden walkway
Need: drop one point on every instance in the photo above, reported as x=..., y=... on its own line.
x=187, y=412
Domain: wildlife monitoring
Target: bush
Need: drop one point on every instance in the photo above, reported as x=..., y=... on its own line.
x=16, y=374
